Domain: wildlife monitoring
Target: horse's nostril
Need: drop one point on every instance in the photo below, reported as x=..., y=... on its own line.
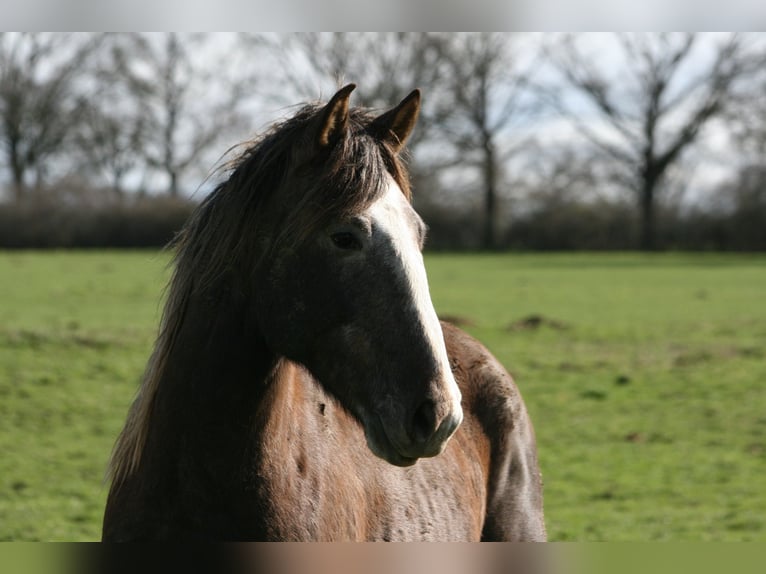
x=424, y=422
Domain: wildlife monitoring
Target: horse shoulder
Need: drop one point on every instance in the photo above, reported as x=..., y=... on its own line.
x=514, y=509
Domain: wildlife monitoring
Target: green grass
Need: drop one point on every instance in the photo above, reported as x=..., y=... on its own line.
x=645, y=377
x=647, y=385
x=75, y=333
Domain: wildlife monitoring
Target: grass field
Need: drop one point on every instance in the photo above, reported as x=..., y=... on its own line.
x=645, y=377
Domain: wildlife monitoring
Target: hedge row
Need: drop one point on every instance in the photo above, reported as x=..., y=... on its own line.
x=150, y=222
x=153, y=222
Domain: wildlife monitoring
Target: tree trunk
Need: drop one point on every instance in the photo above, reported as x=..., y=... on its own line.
x=648, y=239
x=17, y=171
x=18, y=185
x=490, y=199
x=173, y=184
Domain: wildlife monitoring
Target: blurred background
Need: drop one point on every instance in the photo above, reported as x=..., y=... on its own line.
x=526, y=141
x=637, y=162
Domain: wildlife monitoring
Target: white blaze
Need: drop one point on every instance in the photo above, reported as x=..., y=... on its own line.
x=394, y=216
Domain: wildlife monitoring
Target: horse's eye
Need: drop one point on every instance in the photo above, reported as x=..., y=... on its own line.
x=346, y=240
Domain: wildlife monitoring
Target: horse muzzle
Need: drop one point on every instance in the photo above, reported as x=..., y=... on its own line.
x=423, y=433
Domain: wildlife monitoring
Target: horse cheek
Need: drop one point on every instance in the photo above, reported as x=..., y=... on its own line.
x=280, y=309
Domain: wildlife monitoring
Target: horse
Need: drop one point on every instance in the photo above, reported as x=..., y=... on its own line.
x=302, y=387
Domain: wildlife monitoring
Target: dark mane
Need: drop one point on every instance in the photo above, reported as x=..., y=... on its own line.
x=277, y=175
x=335, y=184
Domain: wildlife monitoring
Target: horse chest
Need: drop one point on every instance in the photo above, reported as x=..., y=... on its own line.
x=397, y=508
x=319, y=482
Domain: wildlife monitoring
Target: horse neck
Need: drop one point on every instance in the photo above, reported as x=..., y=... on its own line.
x=214, y=380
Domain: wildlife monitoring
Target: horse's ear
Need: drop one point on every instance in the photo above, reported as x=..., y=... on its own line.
x=334, y=118
x=396, y=124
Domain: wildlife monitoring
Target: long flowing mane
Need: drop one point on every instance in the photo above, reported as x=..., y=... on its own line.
x=223, y=237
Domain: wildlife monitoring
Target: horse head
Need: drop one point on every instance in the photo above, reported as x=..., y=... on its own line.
x=343, y=290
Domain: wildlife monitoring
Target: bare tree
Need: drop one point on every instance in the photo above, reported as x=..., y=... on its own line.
x=748, y=118
x=111, y=136
x=110, y=142
x=187, y=99
x=39, y=104
x=651, y=105
x=743, y=197
x=386, y=66
x=485, y=95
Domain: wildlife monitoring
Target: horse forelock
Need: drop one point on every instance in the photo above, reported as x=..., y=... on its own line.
x=221, y=238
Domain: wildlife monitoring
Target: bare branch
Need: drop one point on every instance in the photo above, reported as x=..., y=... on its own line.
x=188, y=101
x=39, y=104
x=655, y=62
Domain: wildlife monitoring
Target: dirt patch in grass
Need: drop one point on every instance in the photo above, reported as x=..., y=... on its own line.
x=536, y=322
x=694, y=357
